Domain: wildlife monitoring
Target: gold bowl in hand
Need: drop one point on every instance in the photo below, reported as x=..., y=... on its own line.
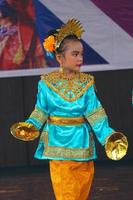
x=116, y=146
x=24, y=131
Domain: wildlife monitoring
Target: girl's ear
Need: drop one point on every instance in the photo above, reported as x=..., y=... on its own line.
x=58, y=58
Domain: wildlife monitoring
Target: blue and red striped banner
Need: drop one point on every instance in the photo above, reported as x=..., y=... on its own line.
x=108, y=37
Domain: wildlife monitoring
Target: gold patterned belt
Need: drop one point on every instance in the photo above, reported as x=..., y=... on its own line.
x=66, y=120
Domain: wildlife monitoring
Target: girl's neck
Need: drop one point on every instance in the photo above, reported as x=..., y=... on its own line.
x=68, y=72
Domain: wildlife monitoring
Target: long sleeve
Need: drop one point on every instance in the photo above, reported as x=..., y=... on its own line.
x=96, y=116
x=40, y=113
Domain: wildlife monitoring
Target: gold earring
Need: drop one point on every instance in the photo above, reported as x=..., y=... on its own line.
x=61, y=69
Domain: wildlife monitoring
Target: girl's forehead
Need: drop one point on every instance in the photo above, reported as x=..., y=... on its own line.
x=74, y=46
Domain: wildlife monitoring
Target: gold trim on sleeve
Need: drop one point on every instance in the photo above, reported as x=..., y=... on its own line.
x=38, y=115
x=96, y=115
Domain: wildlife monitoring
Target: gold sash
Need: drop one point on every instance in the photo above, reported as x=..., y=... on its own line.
x=66, y=120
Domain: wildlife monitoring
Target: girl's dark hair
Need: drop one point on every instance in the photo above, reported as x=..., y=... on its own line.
x=64, y=41
x=61, y=48
x=52, y=32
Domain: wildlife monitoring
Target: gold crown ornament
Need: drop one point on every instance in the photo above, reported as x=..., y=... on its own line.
x=24, y=131
x=72, y=27
x=116, y=146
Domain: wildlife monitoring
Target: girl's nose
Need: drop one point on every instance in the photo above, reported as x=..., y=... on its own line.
x=80, y=58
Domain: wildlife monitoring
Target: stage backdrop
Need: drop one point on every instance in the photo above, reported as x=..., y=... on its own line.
x=24, y=24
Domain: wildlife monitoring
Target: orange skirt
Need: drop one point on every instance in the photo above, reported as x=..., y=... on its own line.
x=71, y=180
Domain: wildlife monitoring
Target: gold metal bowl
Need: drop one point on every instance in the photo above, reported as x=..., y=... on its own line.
x=24, y=131
x=116, y=146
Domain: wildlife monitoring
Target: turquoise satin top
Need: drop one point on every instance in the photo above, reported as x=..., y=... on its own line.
x=68, y=142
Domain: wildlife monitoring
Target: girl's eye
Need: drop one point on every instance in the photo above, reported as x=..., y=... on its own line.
x=75, y=54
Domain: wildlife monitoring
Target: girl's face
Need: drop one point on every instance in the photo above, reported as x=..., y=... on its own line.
x=72, y=57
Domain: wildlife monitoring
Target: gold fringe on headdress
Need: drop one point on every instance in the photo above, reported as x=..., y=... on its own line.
x=72, y=27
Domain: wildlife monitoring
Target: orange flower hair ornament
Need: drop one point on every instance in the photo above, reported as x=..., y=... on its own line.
x=49, y=43
x=72, y=27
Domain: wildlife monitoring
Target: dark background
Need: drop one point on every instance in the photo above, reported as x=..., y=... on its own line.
x=18, y=97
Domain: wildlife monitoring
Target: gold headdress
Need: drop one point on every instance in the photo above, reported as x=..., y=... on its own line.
x=72, y=27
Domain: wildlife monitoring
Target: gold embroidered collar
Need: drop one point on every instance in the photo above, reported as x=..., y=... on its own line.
x=69, y=88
